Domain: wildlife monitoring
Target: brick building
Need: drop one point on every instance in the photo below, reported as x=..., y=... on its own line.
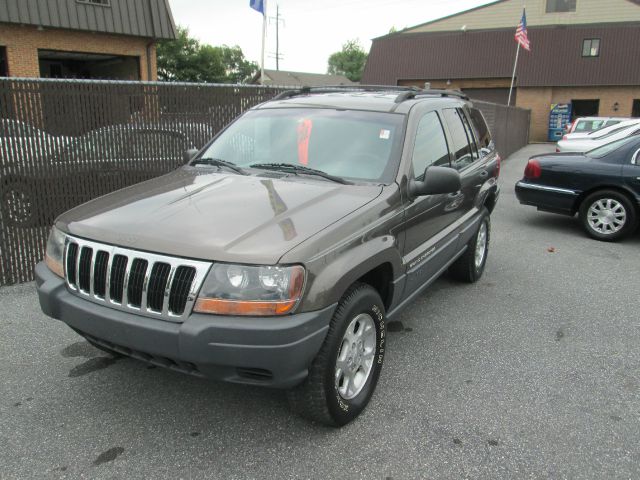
x=586, y=52
x=102, y=39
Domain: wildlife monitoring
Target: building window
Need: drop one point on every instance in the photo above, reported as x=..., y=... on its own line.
x=561, y=6
x=591, y=47
x=102, y=3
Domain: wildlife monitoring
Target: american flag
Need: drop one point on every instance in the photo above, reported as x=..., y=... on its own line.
x=521, y=33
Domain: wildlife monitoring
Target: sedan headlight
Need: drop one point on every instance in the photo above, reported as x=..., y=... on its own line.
x=55, y=252
x=251, y=290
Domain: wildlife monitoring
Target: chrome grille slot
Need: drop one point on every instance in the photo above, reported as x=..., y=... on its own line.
x=116, y=283
x=70, y=267
x=84, y=269
x=148, y=284
x=100, y=274
x=180, y=289
x=136, y=282
x=157, y=284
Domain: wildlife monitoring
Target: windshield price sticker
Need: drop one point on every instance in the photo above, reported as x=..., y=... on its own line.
x=385, y=134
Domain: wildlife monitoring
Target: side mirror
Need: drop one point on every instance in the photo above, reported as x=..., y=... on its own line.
x=188, y=155
x=437, y=180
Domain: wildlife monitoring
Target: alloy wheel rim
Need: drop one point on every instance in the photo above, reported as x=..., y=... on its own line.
x=481, y=245
x=355, y=357
x=606, y=216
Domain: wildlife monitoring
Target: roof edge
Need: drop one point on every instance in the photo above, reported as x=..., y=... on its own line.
x=529, y=27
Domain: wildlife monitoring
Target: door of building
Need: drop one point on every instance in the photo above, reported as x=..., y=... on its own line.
x=635, y=109
x=584, y=108
x=3, y=62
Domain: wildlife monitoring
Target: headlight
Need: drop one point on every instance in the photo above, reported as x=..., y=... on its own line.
x=251, y=290
x=55, y=252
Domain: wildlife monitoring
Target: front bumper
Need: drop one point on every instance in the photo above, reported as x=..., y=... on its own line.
x=269, y=351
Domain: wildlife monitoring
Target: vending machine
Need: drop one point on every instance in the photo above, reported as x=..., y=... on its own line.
x=559, y=118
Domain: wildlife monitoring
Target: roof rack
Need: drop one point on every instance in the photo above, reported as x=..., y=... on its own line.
x=406, y=93
x=344, y=88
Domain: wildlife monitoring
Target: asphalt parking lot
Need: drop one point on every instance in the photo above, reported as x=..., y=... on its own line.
x=533, y=372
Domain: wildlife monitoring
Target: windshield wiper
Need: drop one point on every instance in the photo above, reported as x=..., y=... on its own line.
x=288, y=167
x=217, y=162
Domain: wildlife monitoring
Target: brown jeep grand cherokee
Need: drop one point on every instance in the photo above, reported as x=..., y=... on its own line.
x=279, y=252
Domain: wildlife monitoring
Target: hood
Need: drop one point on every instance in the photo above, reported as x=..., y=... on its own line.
x=204, y=215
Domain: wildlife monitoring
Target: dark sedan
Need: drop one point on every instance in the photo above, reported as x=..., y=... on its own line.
x=602, y=186
x=104, y=160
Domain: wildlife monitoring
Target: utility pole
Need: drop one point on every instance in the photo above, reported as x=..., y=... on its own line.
x=277, y=20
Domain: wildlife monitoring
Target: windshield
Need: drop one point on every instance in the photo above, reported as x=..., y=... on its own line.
x=348, y=144
x=609, y=147
x=585, y=126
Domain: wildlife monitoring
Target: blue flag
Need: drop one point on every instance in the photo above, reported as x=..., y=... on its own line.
x=257, y=5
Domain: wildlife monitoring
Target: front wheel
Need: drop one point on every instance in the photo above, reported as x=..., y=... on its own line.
x=607, y=215
x=345, y=372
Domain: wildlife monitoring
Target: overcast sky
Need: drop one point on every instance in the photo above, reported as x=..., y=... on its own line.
x=313, y=29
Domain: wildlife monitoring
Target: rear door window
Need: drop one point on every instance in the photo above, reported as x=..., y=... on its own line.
x=460, y=141
x=430, y=147
x=483, y=135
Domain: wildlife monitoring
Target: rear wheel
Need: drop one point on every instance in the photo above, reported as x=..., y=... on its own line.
x=608, y=215
x=345, y=372
x=470, y=266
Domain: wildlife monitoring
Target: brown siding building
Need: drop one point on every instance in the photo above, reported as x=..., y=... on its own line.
x=107, y=39
x=574, y=57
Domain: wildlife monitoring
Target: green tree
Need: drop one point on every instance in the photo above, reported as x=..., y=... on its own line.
x=185, y=59
x=349, y=61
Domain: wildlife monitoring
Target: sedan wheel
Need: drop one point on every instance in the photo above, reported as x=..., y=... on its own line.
x=607, y=215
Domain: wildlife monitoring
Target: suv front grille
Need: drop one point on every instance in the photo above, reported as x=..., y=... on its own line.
x=153, y=285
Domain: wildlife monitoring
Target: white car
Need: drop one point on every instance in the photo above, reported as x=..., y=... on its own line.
x=599, y=137
x=602, y=131
x=590, y=124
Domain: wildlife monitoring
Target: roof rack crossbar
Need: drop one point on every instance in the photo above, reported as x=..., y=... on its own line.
x=405, y=93
x=345, y=88
x=443, y=93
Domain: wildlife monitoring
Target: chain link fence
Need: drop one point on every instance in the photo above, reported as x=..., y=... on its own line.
x=65, y=142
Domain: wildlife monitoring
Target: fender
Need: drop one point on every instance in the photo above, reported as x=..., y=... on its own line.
x=345, y=266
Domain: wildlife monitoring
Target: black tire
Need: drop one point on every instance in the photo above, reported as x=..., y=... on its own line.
x=318, y=397
x=18, y=204
x=599, y=232
x=465, y=268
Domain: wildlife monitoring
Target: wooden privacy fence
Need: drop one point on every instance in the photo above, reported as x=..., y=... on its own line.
x=65, y=142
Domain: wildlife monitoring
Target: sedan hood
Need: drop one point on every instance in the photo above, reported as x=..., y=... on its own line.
x=199, y=214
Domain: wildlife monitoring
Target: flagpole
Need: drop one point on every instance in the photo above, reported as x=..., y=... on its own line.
x=513, y=77
x=264, y=35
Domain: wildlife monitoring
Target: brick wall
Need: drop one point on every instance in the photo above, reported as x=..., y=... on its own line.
x=539, y=100
x=22, y=44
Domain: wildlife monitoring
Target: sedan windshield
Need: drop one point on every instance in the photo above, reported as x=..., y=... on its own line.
x=347, y=144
